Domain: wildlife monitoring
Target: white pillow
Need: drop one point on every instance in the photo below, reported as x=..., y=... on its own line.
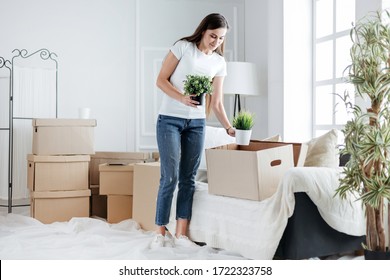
x=322, y=151
x=214, y=137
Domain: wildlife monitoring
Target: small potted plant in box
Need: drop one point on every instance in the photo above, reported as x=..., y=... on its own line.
x=243, y=124
x=197, y=86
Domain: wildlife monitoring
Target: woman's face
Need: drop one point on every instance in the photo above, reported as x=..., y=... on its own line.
x=213, y=38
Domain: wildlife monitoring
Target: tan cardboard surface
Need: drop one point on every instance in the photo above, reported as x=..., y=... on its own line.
x=249, y=174
x=299, y=149
x=119, y=208
x=60, y=194
x=57, y=173
x=63, y=122
x=59, y=209
x=113, y=158
x=116, y=179
x=146, y=184
x=59, y=206
x=63, y=137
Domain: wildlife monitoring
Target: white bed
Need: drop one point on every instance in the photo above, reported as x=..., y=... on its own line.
x=253, y=229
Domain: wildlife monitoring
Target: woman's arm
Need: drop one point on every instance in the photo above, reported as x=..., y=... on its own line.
x=167, y=68
x=217, y=105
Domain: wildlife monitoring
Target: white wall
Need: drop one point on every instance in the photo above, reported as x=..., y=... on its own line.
x=256, y=51
x=108, y=53
x=289, y=69
x=297, y=121
x=156, y=32
x=99, y=44
x=95, y=44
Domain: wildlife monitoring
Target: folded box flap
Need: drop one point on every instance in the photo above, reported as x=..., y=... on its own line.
x=61, y=194
x=63, y=122
x=59, y=159
x=121, y=155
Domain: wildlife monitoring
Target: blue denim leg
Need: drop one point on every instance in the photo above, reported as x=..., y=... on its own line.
x=180, y=144
x=192, y=140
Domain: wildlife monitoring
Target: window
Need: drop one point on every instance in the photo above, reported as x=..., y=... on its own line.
x=332, y=24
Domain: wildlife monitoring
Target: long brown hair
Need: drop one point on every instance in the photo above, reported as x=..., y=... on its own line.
x=211, y=21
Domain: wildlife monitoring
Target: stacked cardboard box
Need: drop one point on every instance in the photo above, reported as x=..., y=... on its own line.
x=116, y=182
x=99, y=205
x=58, y=169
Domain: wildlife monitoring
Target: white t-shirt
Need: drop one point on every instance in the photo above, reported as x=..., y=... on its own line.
x=191, y=62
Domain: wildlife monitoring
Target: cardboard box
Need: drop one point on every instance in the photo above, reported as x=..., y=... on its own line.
x=59, y=206
x=63, y=136
x=299, y=149
x=253, y=173
x=119, y=208
x=113, y=158
x=98, y=203
x=57, y=173
x=116, y=179
x=145, y=189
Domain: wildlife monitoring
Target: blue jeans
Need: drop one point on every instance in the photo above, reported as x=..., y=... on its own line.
x=180, y=144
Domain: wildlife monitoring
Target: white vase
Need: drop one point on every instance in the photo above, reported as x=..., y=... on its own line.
x=243, y=137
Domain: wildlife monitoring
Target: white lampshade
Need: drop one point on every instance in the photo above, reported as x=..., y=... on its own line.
x=241, y=79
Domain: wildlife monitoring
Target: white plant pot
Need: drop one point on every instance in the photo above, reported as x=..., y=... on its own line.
x=243, y=137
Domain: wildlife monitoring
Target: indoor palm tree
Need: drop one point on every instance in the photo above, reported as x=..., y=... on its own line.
x=367, y=134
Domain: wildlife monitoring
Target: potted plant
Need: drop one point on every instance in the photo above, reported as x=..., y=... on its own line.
x=367, y=133
x=197, y=86
x=243, y=123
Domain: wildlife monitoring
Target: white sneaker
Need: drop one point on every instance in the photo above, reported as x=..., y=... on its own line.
x=168, y=240
x=183, y=241
x=158, y=241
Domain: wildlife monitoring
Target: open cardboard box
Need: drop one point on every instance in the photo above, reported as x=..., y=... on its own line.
x=251, y=172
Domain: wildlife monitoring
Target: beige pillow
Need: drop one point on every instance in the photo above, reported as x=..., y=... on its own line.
x=275, y=138
x=322, y=151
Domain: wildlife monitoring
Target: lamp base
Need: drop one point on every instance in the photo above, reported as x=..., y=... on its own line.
x=237, y=102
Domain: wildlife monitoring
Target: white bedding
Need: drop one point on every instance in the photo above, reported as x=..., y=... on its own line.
x=25, y=238
x=254, y=229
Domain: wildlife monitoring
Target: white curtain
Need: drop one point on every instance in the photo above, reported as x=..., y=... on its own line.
x=34, y=92
x=34, y=96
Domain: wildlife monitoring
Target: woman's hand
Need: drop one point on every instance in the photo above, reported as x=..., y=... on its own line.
x=231, y=131
x=186, y=100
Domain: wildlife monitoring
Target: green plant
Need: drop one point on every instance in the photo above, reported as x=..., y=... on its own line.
x=367, y=134
x=244, y=120
x=196, y=84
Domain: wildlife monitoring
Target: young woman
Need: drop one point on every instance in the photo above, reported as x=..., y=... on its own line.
x=181, y=122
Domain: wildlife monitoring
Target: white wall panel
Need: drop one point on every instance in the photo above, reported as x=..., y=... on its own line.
x=158, y=25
